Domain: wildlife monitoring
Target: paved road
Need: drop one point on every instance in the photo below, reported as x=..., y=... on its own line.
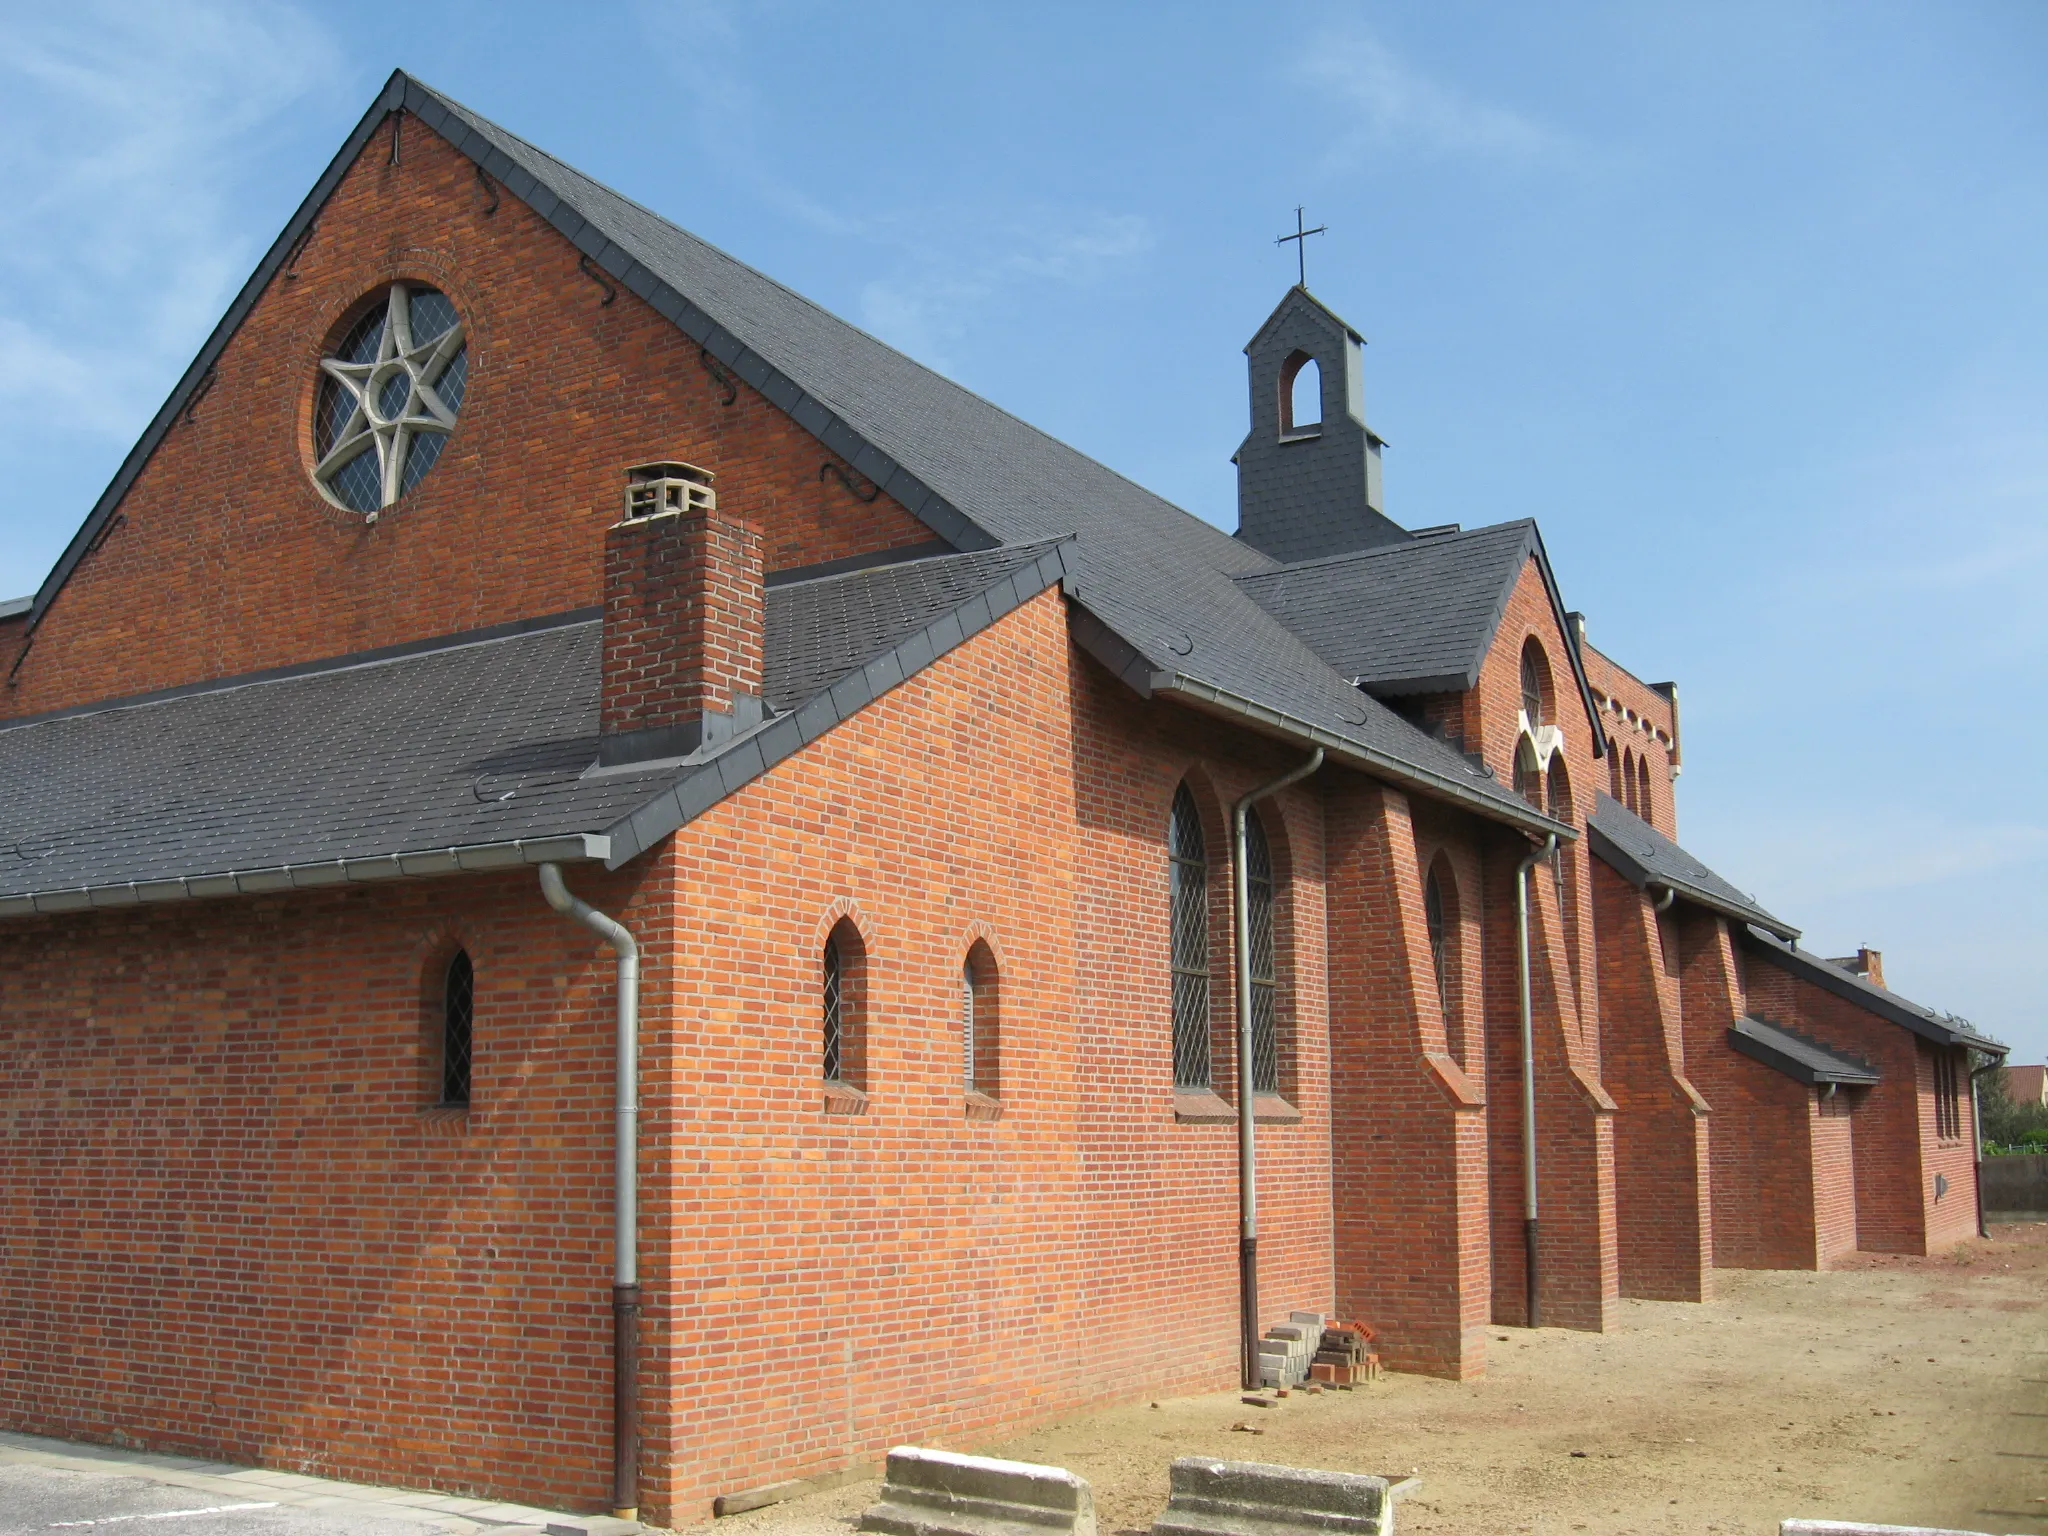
x=49, y=1501
x=54, y=1488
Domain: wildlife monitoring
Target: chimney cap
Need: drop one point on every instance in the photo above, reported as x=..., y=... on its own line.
x=666, y=469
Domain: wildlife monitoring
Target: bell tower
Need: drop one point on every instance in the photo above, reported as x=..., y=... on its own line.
x=1308, y=473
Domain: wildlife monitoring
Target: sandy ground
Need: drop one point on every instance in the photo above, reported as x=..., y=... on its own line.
x=1899, y=1390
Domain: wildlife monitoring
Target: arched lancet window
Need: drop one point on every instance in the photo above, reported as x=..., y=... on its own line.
x=458, y=1015
x=1535, y=684
x=1189, y=914
x=980, y=1022
x=1558, y=790
x=1628, y=780
x=1618, y=790
x=1258, y=869
x=1301, y=394
x=1439, y=937
x=835, y=1010
x=1644, y=805
x=842, y=974
x=1528, y=775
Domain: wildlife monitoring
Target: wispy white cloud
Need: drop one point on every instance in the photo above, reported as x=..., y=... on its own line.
x=1804, y=861
x=119, y=128
x=1387, y=101
x=927, y=304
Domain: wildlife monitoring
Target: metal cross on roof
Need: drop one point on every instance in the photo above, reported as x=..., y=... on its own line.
x=1300, y=237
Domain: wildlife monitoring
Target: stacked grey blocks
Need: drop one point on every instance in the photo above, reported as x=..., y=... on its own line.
x=1244, y=1498
x=939, y=1493
x=1289, y=1348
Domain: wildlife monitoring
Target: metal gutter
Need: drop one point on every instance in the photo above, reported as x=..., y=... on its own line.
x=1354, y=754
x=1642, y=876
x=426, y=863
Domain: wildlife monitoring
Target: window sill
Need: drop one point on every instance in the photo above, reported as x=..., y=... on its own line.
x=979, y=1106
x=1302, y=435
x=443, y=1117
x=1200, y=1106
x=844, y=1099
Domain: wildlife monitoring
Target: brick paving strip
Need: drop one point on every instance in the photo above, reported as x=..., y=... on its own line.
x=229, y=1484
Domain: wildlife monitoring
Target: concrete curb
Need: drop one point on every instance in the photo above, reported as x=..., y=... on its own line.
x=941, y=1493
x=432, y=1511
x=1207, y=1497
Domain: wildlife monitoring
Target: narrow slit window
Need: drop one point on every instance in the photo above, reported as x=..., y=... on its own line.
x=835, y=1012
x=967, y=1025
x=1265, y=984
x=1188, y=912
x=1433, y=916
x=458, y=1015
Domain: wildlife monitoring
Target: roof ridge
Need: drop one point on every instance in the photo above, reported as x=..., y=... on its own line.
x=1434, y=541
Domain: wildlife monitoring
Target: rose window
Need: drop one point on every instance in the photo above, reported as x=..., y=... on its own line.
x=388, y=397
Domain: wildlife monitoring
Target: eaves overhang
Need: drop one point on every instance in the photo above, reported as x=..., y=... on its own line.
x=1798, y=1056
x=417, y=864
x=1148, y=679
x=1643, y=877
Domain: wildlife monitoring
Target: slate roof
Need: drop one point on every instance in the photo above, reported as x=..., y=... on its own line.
x=1799, y=1056
x=1154, y=585
x=1402, y=618
x=1942, y=1029
x=1644, y=856
x=15, y=607
x=473, y=752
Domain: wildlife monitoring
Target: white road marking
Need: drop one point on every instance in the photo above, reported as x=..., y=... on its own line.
x=168, y=1514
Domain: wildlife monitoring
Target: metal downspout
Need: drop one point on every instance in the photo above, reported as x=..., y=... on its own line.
x=625, y=1193
x=1247, y=1108
x=1977, y=1140
x=1531, y=1315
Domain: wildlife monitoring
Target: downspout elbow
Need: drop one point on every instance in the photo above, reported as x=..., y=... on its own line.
x=1664, y=902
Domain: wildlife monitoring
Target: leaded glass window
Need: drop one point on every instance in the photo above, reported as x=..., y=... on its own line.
x=458, y=1011
x=1533, y=670
x=1433, y=916
x=967, y=1025
x=835, y=1013
x=389, y=394
x=1188, y=901
x=1258, y=868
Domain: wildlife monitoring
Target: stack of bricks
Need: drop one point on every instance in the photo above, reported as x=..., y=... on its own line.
x=1286, y=1350
x=1345, y=1355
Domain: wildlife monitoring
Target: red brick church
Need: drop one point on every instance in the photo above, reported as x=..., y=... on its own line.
x=612, y=892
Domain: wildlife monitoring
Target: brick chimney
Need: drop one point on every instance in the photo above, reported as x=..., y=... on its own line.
x=1867, y=963
x=682, y=619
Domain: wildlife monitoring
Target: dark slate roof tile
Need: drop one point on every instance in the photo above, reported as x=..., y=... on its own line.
x=1799, y=1056
x=1644, y=856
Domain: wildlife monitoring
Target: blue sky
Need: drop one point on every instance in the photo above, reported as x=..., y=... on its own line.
x=1746, y=303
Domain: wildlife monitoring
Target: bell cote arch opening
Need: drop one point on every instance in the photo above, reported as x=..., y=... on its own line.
x=1301, y=396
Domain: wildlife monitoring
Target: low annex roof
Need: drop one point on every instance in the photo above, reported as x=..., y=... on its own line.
x=1643, y=856
x=1942, y=1029
x=470, y=752
x=1799, y=1056
x=1153, y=581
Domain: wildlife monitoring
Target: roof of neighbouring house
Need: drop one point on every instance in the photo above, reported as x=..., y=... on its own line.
x=1153, y=584
x=1942, y=1029
x=1644, y=856
x=471, y=752
x=1799, y=1056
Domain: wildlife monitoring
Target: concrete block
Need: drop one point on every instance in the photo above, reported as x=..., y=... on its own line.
x=1246, y=1498
x=1852, y=1528
x=941, y=1493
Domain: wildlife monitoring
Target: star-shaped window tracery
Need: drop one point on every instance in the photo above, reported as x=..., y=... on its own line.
x=388, y=398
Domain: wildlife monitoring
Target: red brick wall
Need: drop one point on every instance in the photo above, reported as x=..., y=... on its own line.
x=1761, y=1146
x=228, y=560
x=1663, y=1204
x=282, y=1260
x=1407, y=1108
x=1897, y=1153
x=1641, y=725
x=1577, y=1259
x=1832, y=1134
